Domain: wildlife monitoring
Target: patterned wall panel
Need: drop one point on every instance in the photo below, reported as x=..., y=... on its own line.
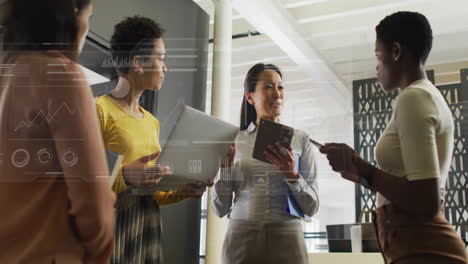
x=457, y=209
x=372, y=111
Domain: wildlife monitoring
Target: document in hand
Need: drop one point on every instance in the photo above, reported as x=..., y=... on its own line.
x=270, y=133
x=114, y=161
x=195, y=147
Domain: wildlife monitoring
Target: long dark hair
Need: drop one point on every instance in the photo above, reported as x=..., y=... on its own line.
x=41, y=25
x=248, y=112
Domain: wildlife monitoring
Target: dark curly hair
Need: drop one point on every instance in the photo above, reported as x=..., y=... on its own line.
x=133, y=36
x=32, y=25
x=248, y=112
x=410, y=29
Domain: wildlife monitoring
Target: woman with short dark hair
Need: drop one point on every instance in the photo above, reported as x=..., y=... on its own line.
x=54, y=188
x=256, y=195
x=138, y=51
x=414, y=153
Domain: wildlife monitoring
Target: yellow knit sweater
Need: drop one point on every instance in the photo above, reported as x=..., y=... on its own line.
x=134, y=138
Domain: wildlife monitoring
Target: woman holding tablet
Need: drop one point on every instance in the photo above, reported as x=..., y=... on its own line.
x=255, y=194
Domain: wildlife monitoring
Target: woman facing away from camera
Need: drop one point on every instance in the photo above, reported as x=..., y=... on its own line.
x=54, y=189
x=414, y=152
x=139, y=52
x=254, y=193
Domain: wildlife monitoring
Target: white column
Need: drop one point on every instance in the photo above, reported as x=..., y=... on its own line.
x=220, y=98
x=221, y=83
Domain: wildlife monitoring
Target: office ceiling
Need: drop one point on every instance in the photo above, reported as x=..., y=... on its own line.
x=341, y=33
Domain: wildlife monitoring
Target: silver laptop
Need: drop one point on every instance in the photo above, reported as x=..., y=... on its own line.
x=195, y=144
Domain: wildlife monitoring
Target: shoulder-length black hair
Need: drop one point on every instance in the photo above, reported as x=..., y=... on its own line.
x=248, y=112
x=41, y=25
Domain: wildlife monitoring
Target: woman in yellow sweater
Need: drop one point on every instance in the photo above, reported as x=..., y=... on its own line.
x=138, y=52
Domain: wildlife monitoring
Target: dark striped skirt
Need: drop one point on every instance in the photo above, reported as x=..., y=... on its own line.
x=137, y=230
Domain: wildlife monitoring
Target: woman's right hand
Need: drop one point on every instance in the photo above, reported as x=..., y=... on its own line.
x=229, y=159
x=343, y=159
x=139, y=174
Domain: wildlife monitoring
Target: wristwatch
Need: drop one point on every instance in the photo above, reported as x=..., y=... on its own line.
x=367, y=176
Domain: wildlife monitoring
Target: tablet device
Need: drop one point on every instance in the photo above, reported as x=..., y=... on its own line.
x=271, y=133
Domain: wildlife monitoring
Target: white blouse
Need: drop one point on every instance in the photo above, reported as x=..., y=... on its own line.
x=418, y=141
x=255, y=190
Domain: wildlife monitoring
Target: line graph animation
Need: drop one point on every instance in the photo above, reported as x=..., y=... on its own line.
x=44, y=116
